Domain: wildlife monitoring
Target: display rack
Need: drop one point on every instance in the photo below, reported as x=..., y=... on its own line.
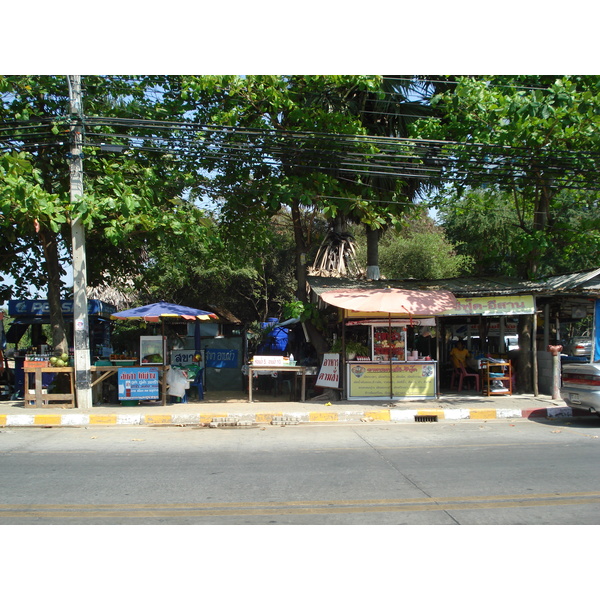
x=497, y=378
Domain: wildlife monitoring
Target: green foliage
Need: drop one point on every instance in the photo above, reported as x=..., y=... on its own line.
x=483, y=224
x=418, y=250
x=552, y=124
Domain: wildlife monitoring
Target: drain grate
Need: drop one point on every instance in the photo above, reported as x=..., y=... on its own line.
x=426, y=418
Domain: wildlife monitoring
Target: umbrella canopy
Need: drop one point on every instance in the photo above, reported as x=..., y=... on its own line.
x=153, y=313
x=392, y=300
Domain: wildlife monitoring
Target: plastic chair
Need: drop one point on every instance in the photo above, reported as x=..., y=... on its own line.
x=461, y=373
x=197, y=383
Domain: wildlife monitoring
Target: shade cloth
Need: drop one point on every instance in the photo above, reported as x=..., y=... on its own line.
x=153, y=313
x=392, y=300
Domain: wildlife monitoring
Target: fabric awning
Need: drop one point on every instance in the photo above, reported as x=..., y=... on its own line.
x=392, y=301
x=154, y=313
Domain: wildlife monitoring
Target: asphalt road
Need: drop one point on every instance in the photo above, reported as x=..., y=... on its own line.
x=461, y=473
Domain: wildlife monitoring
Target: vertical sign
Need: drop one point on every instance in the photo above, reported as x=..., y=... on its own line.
x=329, y=375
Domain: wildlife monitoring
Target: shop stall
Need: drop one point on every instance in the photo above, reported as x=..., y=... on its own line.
x=383, y=323
x=148, y=377
x=30, y=316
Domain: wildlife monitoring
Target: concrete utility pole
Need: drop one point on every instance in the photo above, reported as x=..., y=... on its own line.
x=81, y=332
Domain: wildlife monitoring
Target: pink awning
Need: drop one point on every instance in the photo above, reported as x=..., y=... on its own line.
x=392, y=300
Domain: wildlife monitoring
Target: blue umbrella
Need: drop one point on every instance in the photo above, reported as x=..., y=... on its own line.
x=154, y=313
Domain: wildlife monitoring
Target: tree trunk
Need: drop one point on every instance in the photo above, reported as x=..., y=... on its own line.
x=372, y=253
x=317, y=339
x=50, y=247
x=524, y=375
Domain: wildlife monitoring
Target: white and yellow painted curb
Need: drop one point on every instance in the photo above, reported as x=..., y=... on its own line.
x=390, y=415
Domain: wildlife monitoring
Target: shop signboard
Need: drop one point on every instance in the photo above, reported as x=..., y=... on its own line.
x=373, y=380
x=267, y=361
x=493, y=306
x=183, y=358
x=41, y=308
x=329, y=375
x=138, y=383
x=224, y=358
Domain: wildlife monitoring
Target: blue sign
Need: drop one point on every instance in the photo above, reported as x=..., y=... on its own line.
x=138, y=383
x=222, y=359
x=40, y=308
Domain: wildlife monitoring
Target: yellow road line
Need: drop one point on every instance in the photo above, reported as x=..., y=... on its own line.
x=296, y=507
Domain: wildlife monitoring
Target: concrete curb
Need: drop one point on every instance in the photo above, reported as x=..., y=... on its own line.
x=284, y=418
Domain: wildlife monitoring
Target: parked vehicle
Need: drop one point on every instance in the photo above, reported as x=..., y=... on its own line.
x=580, y=386
x=579, y=346
x=512, y=343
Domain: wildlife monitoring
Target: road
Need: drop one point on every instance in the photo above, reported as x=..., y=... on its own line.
x=449, y=473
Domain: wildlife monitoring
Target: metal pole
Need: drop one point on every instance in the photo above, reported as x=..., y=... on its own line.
x=83, y=387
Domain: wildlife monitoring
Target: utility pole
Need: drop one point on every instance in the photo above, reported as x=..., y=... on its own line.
x=81, y=332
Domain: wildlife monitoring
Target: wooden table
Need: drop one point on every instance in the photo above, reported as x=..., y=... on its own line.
x=44, y=400
x=297, y=369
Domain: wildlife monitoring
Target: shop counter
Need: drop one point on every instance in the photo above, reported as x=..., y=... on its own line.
x=396, y=380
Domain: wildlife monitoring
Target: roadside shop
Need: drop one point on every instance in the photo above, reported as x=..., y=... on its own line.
x=30, y=316
x=164, y=365
x=385, y=352
x=488, y=315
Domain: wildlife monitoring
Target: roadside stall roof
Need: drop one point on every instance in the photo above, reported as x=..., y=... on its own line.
x=582, y=282
x=391, y=300
x=566, y=293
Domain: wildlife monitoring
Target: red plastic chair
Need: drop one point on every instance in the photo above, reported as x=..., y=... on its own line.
x=461, y=373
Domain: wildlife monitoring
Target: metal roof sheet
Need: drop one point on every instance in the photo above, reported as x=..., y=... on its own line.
x=582, y=283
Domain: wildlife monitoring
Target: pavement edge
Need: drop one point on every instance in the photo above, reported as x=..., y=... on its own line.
x=391, y=415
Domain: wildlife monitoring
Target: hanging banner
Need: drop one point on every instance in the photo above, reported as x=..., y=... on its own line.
x=329, y=375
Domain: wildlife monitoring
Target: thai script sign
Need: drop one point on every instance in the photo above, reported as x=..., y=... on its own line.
x=404, y=380
x=267, y=361
x=138, y=383
x=329, y=375
x=225, y=358
x=493, y=306
x=183, y=358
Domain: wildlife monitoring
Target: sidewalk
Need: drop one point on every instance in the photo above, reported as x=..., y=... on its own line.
x=221, y=409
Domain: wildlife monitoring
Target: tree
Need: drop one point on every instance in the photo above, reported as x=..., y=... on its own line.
x=418, y=250
x=530, y=136
x=281, y=143
x=253, y=284
x=128, y=203
x=483, y=225
x=389, y=111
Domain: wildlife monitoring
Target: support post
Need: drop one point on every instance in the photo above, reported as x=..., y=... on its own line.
x=83, y=376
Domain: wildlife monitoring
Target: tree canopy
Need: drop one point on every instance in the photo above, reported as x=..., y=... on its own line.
x=531, y=136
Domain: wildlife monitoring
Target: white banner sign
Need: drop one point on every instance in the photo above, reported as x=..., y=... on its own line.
x=267, y=361
x=329, y=375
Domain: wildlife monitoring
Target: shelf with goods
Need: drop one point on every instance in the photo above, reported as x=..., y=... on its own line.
x=496, y=378
x=389, y=343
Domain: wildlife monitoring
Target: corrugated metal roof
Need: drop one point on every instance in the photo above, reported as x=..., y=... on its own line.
x=582, y=283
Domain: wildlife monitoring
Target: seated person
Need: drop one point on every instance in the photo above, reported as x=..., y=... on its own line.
x=459, y=356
